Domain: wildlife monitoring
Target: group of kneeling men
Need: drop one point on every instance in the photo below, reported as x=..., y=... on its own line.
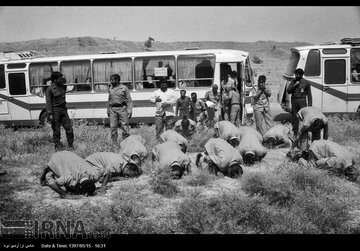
x=227, y=152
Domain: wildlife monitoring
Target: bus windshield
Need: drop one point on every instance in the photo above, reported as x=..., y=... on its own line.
x=291, y=66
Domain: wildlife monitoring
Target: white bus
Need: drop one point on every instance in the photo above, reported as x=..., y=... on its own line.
x=24, y=77
x=331, y=69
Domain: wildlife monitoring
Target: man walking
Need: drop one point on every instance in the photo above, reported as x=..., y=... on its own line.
x=164, y=99
x=300, y=90
x=119, y=107
x=198, y=111
x=233, y=98
x=57, y=111
x=183, y=105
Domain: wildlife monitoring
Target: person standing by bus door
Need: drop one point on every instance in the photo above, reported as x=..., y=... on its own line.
x=300, y=89
x=57, y=111
x=164, y=100
x=119, y=108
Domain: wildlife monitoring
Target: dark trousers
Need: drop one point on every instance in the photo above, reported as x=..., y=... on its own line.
x=297, y=104
x=61, y=118
x=162, y=122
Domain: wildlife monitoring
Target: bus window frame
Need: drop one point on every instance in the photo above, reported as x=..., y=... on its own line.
x=161, y=58
x=212, y=56
x=79, y=83
x=3, y=76
x=93, y=83
x=24, y=73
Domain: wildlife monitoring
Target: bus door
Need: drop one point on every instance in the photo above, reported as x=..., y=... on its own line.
x=18, y=100
x=4, y=95
x=335, y=88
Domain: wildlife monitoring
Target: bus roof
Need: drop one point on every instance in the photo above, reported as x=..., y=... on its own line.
x=222, y=55
x=324, y=46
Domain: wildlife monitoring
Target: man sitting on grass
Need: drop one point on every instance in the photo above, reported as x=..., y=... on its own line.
x=220, y=156
x=328, y=155
x=169, y=155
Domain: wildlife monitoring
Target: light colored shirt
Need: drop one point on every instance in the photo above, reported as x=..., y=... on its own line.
x=307, y=115
x=222, y=153
x=226, y=130
x=171, y=135
x=331, y=154
x=232, y=96
x=169, y=153
x=69, y=168
x=260, y=99
x=168, y=97
x=250, y=140
x=134, y=144
x=105, y=161
x=280, y=132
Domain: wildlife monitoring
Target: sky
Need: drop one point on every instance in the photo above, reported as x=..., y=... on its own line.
x=313, y=24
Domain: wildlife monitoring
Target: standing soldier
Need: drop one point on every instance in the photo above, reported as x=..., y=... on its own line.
x=183, y=105
x=233, y=98
x=119, y=108
x=198, y=111
x=300, y=90
x=212, y=99
x=57, y=111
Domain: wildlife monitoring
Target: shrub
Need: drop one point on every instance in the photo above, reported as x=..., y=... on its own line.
x=161, y=182
x=202, y=178
x=257, y=60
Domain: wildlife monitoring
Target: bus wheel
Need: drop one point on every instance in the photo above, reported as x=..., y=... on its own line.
x=44, y=120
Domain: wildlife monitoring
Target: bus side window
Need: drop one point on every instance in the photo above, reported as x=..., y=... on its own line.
x=2, y=77
x=76, y=73
x=149, y=70
x=104, y=68
x=196, y=70
x=355, y=65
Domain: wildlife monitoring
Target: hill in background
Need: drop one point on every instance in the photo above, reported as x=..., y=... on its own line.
x=86, y=45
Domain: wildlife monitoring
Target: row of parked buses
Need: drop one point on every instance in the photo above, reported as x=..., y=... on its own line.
x=24, y=76
x=332, y=69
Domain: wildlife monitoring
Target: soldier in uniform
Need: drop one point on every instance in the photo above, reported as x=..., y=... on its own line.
x=71, y=171
x=186, y=127
x=278, y=136
x=232, y=97
x=250, y=146
x=198, y=111
x=183, y=105
x=212, y=100
x=328, y=155
x=133, y=148
x=227, y=131
x=57, y=111
x=300, y=90
x=311, y=120
x=171, y=135
x=169, y=155
x=109, y=166
x=119, y=107
x=220, y=156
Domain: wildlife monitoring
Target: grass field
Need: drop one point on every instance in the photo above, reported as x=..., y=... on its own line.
x=273, y=196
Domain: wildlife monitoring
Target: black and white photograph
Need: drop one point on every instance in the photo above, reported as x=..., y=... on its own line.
x=138, y=122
